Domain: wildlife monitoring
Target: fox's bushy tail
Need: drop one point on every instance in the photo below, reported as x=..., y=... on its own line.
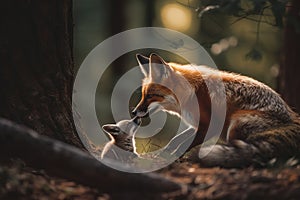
x=268, y=148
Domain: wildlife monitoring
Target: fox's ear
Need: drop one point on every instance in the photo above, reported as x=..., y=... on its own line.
x=143, y=63
x=159, y=69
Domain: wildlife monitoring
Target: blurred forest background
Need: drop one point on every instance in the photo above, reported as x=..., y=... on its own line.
x=259, y=38
x=247, y=45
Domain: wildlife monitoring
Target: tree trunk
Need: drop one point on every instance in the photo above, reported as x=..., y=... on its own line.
x=36, y=73
x=289, y=81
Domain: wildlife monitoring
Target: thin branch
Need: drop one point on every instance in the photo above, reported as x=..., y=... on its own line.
x=187, y=5
x=247, y=15
x=258, y=26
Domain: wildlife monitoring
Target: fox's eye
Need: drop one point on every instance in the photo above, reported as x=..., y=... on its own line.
x=153, y=95
x=149, y=96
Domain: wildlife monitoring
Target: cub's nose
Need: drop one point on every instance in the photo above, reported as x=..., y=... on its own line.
x=137, y=121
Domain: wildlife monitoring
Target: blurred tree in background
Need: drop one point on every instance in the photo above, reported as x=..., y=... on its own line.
x=289, y=83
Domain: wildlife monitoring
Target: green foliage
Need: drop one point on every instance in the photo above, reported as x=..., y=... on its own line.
x=262, y=12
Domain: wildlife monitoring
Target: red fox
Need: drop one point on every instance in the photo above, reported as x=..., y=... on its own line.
x=259, y=125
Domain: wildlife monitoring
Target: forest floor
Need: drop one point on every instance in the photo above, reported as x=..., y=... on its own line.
x=17, y=181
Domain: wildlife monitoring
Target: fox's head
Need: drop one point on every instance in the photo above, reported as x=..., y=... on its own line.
x=160, y=84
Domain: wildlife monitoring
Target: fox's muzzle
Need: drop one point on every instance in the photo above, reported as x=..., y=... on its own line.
x=140, y=113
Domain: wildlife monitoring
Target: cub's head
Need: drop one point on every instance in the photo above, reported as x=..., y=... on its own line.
x=121, y=134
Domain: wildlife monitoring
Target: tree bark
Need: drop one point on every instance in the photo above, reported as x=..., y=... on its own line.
x=36, y=73
x=289, y=81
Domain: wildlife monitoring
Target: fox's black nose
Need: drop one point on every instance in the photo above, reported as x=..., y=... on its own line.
x=134, y=112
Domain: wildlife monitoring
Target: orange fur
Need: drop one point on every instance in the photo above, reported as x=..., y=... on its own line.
x=252, y=107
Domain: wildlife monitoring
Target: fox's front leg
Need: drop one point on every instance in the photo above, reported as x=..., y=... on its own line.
x=181, y=142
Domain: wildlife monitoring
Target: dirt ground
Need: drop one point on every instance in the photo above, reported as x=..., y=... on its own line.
x=20, y=182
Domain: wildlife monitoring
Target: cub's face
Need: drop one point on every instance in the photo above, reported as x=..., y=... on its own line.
x=122, y=133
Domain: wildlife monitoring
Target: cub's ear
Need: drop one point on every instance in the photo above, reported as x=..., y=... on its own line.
x=143, y=63
x=111, y=128
x=159, y=69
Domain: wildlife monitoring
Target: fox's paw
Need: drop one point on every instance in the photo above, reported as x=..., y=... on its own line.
x=220, y=155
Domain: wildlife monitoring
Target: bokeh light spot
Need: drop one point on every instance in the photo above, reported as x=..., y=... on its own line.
x=176, y=17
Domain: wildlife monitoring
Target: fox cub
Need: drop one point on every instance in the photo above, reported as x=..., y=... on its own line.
x=259, y=126
x=121, y=135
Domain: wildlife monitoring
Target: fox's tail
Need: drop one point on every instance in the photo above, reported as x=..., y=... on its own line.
x=264, y=149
